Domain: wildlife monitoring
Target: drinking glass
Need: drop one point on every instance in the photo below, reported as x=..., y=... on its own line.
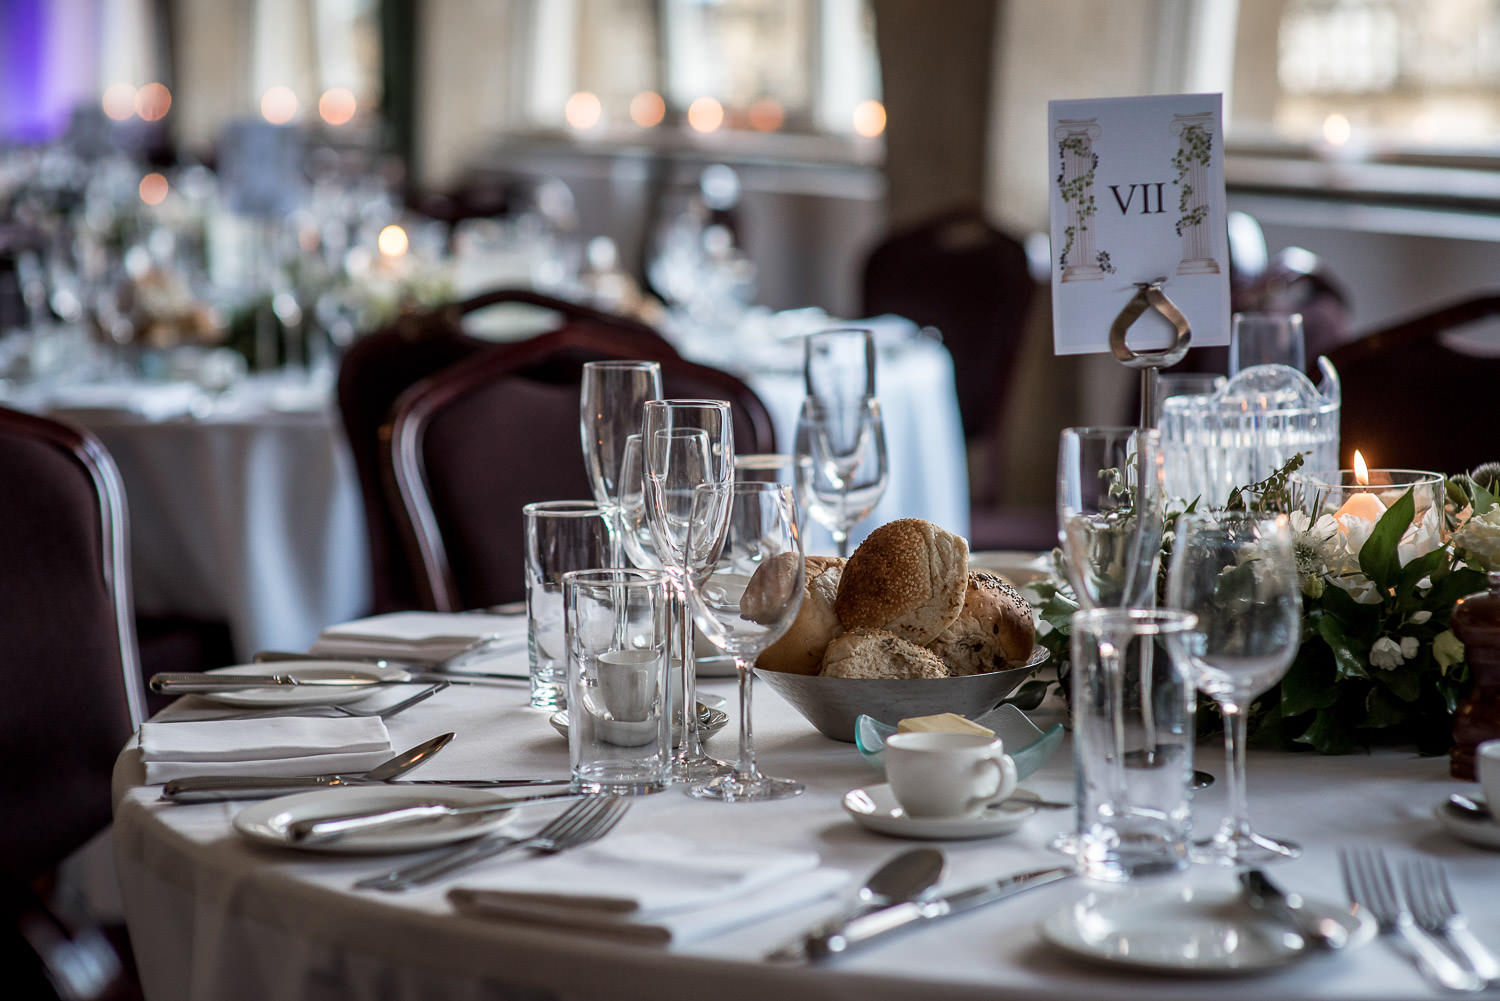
x=635, y=530
x=688, y=443
x=1236, y=572
x=745, y=590
x=609, y=410
x=1266, y=339
x=839, y=365
x=842, y=465
x=1109, y=514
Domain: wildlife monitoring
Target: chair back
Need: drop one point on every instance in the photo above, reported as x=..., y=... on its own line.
x=378, y=368
x=961, y=275
x=1416, y=399
x=74, y=694
x=473, y=444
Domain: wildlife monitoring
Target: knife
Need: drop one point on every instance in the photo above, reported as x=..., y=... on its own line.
x=330, y=828
x=1263, y=895
x=860, y=930
x=221, y=788
x=188, y=682
x=372, y=660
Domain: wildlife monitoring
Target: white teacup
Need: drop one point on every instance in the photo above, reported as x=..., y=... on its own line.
x=948, y=774
x=627, y=683
x=1487, y=764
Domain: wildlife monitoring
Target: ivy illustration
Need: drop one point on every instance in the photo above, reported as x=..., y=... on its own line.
x=1196, y=147
x=1078, y=190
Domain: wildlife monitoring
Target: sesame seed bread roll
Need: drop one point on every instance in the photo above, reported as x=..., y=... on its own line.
x=800, y=651
x=908, y=577
x=995, y=629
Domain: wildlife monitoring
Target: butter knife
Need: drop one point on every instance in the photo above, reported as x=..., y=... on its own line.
x=1264, y=895
x=222, y=788
x=330, y=828
x=888, y=920
x=189, y=682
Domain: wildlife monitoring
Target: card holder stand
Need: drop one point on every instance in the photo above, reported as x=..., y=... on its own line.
x=1149, y=296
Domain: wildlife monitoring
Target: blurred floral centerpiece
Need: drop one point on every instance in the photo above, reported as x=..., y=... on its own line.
x=1378, y=662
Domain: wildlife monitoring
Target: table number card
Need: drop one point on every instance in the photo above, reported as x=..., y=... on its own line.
x=1137, y=197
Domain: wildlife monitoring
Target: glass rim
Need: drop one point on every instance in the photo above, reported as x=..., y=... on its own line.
x=1414, y=477
x=1136, y=621
x=675, y=401
x=564, y=508
x=622, y=364
x=615, y=577
x=1100, y=430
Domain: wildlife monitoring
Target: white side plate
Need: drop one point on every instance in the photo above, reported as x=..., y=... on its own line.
x=875, y=808
x=1193, y=930
x=312, y=695
x=267, y=822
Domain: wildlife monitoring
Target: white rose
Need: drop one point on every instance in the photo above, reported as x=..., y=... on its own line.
x=1479, y=538
x=1386, y=654
x=1408, y=647
x=1420, y=616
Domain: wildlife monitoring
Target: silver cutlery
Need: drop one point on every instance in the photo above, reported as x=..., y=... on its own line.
x=484, y=646
x=903, y=878
x=323, y=829
x=196, y=682
x=579, y=824
x=211, y=788
x=438, y=668
x=1467, y=808
x=322, y=711
x=1367, y=877
x=1264, y=895
x=888, y=920
x=1436, y=912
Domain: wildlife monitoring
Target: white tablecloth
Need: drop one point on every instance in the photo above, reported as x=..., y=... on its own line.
x=245, y=509
x=212, y=916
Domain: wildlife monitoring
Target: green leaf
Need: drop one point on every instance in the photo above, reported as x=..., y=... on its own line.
x=1483, y=500
x=1349, y=662
x=1327, y=734
x=1307, y=687
x=1458, y=584
x=1404, y=682
x=1378, y=556
x=1383, y=711
x=1422, y=566
x=1339, y=604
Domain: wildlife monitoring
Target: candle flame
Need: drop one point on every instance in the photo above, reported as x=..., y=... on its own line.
x=1361, y=471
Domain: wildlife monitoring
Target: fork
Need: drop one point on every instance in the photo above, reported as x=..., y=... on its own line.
x=1436, y=912
x=580, y=823
x=1372, y=888
x=385, y=713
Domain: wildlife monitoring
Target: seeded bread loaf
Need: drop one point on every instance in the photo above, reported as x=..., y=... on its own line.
x=800, y=650
x=875, y=653
x=909, y=577
x=994, y=630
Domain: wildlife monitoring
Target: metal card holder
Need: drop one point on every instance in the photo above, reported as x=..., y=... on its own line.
x=1149, y=295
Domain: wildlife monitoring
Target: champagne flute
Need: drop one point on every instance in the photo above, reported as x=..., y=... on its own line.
x=635, y=531
x=838, y=365
x=745, y=590
x=1236, y=572
x=688, y=443
x=841, y=463
x=610, y=398
x=1109, y=514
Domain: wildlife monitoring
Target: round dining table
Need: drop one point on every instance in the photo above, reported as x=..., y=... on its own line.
x=214, y=916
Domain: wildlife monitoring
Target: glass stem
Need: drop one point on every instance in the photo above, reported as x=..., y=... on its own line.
x=841, y=539
x=690, y=748
x=1236, y=730
x=746, y=770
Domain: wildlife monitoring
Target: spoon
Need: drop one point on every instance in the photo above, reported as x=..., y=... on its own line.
x=205, y=788
x=903, y=878
x=1467, y=808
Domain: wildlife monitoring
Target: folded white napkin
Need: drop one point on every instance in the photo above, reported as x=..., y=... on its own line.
x=417, y=637
x=650, y=888
x=280, y=745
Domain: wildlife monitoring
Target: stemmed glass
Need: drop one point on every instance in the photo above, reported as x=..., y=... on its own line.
x=688, y=443
x=839, y=365
x=1109, y=514
x=635, y=530
x=1236, y=571
x=609, y=410
x=745, y=591
x=842, y=465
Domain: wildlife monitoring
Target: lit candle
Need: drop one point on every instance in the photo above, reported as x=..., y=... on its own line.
x=1361, y=504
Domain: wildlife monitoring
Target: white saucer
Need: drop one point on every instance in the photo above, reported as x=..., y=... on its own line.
x=321, y=695
x=267, y=822
x=875, y=808
x=1194, y=930
x=1475, y=831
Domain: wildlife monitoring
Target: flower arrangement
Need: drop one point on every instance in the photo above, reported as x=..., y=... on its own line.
x=1378, y=662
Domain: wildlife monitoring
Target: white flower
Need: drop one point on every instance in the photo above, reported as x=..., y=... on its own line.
x=1421, y=538
x=1386, y=654
x=1408, y=647
x=1357, y=532
x=1419, y=617
x=1479, y=538
x=1447, y=650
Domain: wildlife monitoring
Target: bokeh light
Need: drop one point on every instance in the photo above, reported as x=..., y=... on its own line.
x=337, y=106
x=869, y=119
x=1337, y=130
x=583, y=110
x=154, y=188
x=153, y=101
x=392, y=241
x=705, y=114
x=766, y=115
x=119, y=101
x=647, y=109
x=278, y=105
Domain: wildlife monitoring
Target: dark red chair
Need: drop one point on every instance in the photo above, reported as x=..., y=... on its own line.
x=378, y=368
x=473, y=444
x=1415, y=398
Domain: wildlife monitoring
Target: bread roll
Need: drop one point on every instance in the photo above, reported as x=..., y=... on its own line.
x=908, y=577
x=800, y=651
x=875, y=653
x=995, y=629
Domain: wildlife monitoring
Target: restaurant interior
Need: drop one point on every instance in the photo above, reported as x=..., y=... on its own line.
x=305, y=289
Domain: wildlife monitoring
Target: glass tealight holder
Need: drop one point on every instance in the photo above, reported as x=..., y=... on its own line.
x=1351, y=495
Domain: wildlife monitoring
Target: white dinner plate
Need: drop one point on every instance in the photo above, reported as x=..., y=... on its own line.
x=1474, y=830
x=1194, y=930
x=312, y=695
x=875, y=808
x=267, y=822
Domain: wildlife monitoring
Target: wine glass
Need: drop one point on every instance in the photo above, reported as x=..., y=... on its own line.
x=745, y=590
x=839, y=365
x=688, y=443
x=1266, y=339
x=609, y=410
x=635, y=530
x=841, y=463
x=1236, y=571
x=1109, y=514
